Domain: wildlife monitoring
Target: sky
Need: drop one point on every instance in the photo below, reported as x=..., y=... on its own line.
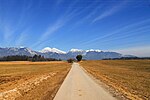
x=117, y=25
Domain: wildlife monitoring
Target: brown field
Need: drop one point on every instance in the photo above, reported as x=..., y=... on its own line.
x=131, y=78
x=31, y=80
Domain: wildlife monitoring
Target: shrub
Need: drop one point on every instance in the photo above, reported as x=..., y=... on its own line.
x=70, y=60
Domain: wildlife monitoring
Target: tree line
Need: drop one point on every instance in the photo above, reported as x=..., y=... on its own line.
x=27, y=58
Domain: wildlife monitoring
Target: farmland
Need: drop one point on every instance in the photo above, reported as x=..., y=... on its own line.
x=130, y=78
x=31, y=80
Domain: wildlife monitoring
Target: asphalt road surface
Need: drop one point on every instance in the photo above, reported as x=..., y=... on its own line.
x=80, y=86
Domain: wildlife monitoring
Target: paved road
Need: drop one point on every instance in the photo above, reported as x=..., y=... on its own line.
x=79, y=86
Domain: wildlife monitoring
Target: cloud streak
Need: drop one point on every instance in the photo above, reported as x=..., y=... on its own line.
x=11, y=27
x=118, y=31
x=53, y=28
x=128, y=34
x=58, y=24
x=49, y=31
x=109, y=12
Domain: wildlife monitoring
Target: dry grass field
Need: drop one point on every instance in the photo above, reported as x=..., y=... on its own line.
x=131, y=78
x=31, y=80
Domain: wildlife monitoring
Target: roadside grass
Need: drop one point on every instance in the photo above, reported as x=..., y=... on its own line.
x=14, y=73
x=129, y=77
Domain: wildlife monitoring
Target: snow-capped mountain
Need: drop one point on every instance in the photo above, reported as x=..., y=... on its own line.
x=16, y=51
x=76, y=52
x=54, y=50
x=59, y=54
x=95, y=55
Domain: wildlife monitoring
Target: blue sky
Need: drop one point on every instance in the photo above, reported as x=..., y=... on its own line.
x=119, y=25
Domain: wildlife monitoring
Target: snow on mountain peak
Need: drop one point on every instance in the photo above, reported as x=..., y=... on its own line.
x=21, y=47
x=30, y=51
x=94, y=50
x=76, y=50
x=54, y=50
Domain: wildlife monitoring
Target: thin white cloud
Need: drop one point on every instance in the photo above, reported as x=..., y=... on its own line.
x=128, y=34
x=67, y=16
x=53, y=28
x=120, y=30
x=22, y=38
x=59, y=23
x=50, y=30
x=7, y=32
x=110, y=12
x=141, y=51
x=87, y=17
x=9, y=28
x=96, y=9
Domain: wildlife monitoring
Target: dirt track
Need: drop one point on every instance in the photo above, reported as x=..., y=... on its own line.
x=79, y=86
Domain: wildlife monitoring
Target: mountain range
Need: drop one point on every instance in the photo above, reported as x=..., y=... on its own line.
x=59, y=54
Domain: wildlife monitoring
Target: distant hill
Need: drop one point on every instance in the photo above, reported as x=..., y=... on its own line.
x=59, y=54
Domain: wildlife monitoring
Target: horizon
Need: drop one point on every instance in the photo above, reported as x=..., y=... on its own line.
x=113, y=25
x=129, y=51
